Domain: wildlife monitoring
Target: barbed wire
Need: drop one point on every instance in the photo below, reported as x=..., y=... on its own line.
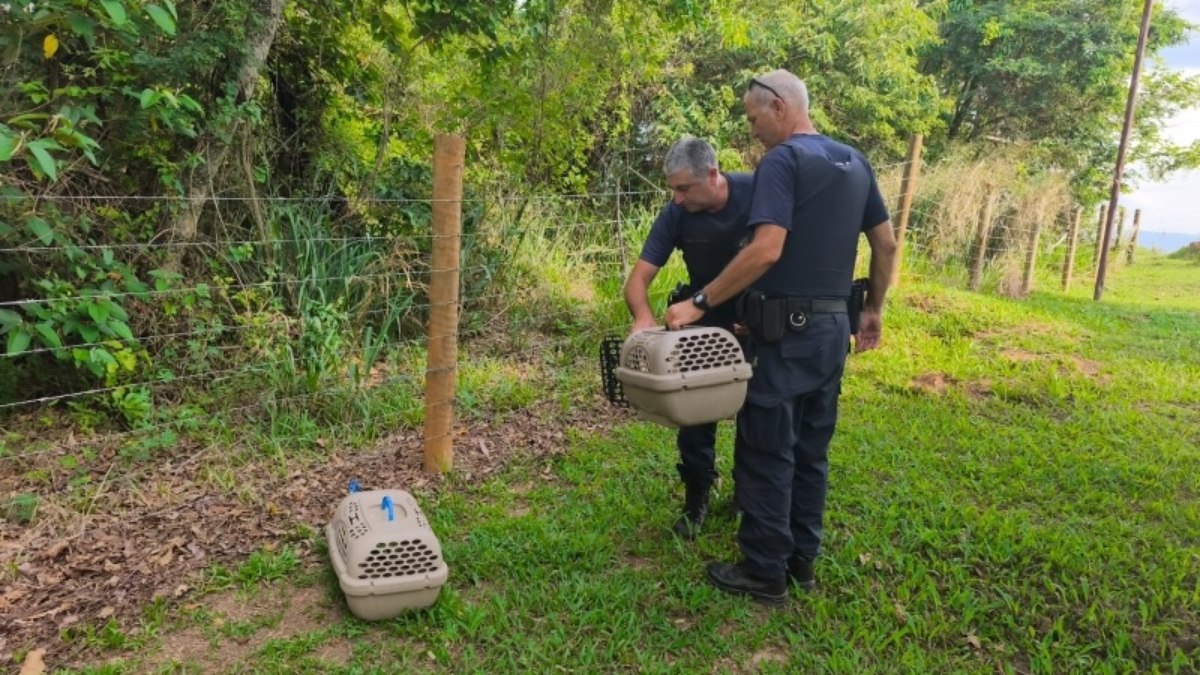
x=1008, y=234
x=384, y=239
x=323, y=394
x=339, y=199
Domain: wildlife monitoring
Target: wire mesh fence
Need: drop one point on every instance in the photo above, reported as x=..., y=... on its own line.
x=309, y=311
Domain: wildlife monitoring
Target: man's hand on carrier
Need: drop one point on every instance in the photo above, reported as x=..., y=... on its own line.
x=682, y=314
x=644, y=324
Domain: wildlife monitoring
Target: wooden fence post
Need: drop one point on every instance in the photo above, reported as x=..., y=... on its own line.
x=1100, y=232
x=908, y=188
x=981, y=237
x=1035, y=234
x=1137, y=226
x=442, y=347
x=1116, y=244
x=1072, y=242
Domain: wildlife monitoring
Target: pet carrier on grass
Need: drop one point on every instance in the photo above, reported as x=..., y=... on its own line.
x=386, y=557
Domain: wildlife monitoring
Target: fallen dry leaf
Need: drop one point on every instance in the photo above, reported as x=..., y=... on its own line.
x=34, y=665
x=105, y=612
x=55, y=551
x=973, y=640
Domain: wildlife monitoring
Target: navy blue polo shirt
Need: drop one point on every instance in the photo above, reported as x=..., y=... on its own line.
x=825, y=195
x=708, y=240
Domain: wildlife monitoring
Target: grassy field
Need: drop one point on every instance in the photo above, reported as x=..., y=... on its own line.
x=1014, y=489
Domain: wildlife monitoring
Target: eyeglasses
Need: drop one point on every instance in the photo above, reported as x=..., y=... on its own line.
x=755, y=82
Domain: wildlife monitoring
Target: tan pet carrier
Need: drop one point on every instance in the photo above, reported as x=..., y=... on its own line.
x=682, y=378
x=385, y=554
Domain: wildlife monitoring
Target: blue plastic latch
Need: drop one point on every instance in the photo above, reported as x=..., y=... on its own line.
x=387, y=505
x=354, y=485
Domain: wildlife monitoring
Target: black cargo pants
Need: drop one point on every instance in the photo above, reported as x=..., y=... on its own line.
x=698, y=445
x=781, y=464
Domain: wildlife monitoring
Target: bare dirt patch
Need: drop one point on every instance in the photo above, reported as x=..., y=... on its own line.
x=1023, y=329
x=927, y=304
x=638, y=562
x=283, y=611
x=1019, y=355
x=932, y=383
x=1087, y=366
x=337, y=651
x=979, y=390
x=937, y=384
x=769, y=655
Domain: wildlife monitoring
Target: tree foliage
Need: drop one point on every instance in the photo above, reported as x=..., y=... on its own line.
x=1053, y=74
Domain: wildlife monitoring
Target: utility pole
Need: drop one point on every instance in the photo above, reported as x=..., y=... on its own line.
x=1120, y=170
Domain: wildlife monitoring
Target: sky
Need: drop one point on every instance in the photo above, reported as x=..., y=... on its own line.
x=1173, y=205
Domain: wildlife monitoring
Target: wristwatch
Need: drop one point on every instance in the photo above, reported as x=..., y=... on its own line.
x=700, y=300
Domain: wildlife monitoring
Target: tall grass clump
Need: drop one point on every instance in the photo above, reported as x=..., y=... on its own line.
x=560, y=261
x=948, y=207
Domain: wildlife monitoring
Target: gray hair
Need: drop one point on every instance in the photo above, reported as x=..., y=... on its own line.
x=790, y=88
x=691, y=153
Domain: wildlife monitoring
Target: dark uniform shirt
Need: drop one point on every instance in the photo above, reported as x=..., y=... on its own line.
x=708, y=240
x=824, y=194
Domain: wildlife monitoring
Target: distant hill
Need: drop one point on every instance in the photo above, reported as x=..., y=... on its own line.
x=1190, y=252
x=1167, y=242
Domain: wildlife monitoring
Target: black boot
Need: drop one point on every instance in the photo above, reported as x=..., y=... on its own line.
x=695, y=504
x=800, y=573
x=734, y=578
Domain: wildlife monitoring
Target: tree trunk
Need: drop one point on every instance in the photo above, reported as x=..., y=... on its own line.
x=961, y=107
x=215, y=147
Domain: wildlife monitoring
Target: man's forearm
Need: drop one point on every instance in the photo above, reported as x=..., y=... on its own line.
x=883, y=261
x=637, y=292
x=638, y=302
x=748, y=265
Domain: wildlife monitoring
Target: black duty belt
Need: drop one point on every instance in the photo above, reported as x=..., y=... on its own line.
x=768, y=318
x=817, y=305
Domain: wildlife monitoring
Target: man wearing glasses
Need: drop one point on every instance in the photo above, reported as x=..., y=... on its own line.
x=813, y=197
x=705, y=220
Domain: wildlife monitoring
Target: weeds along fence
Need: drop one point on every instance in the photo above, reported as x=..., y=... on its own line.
x=344, y=316
x=984, y=223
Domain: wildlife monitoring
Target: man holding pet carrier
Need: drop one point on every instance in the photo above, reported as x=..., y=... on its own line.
x=705, y=220
x=813, y=198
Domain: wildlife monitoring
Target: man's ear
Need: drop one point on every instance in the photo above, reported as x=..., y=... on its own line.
x=713, y=174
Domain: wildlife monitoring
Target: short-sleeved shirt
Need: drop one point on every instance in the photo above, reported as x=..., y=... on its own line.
x=708, y=240
x=824, y=193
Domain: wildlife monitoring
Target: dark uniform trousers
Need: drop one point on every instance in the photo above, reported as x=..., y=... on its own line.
x=698, y=445
x=697, y=454
x=780, y=460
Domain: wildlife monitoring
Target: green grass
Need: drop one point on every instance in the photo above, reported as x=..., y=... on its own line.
x=1013, y=489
